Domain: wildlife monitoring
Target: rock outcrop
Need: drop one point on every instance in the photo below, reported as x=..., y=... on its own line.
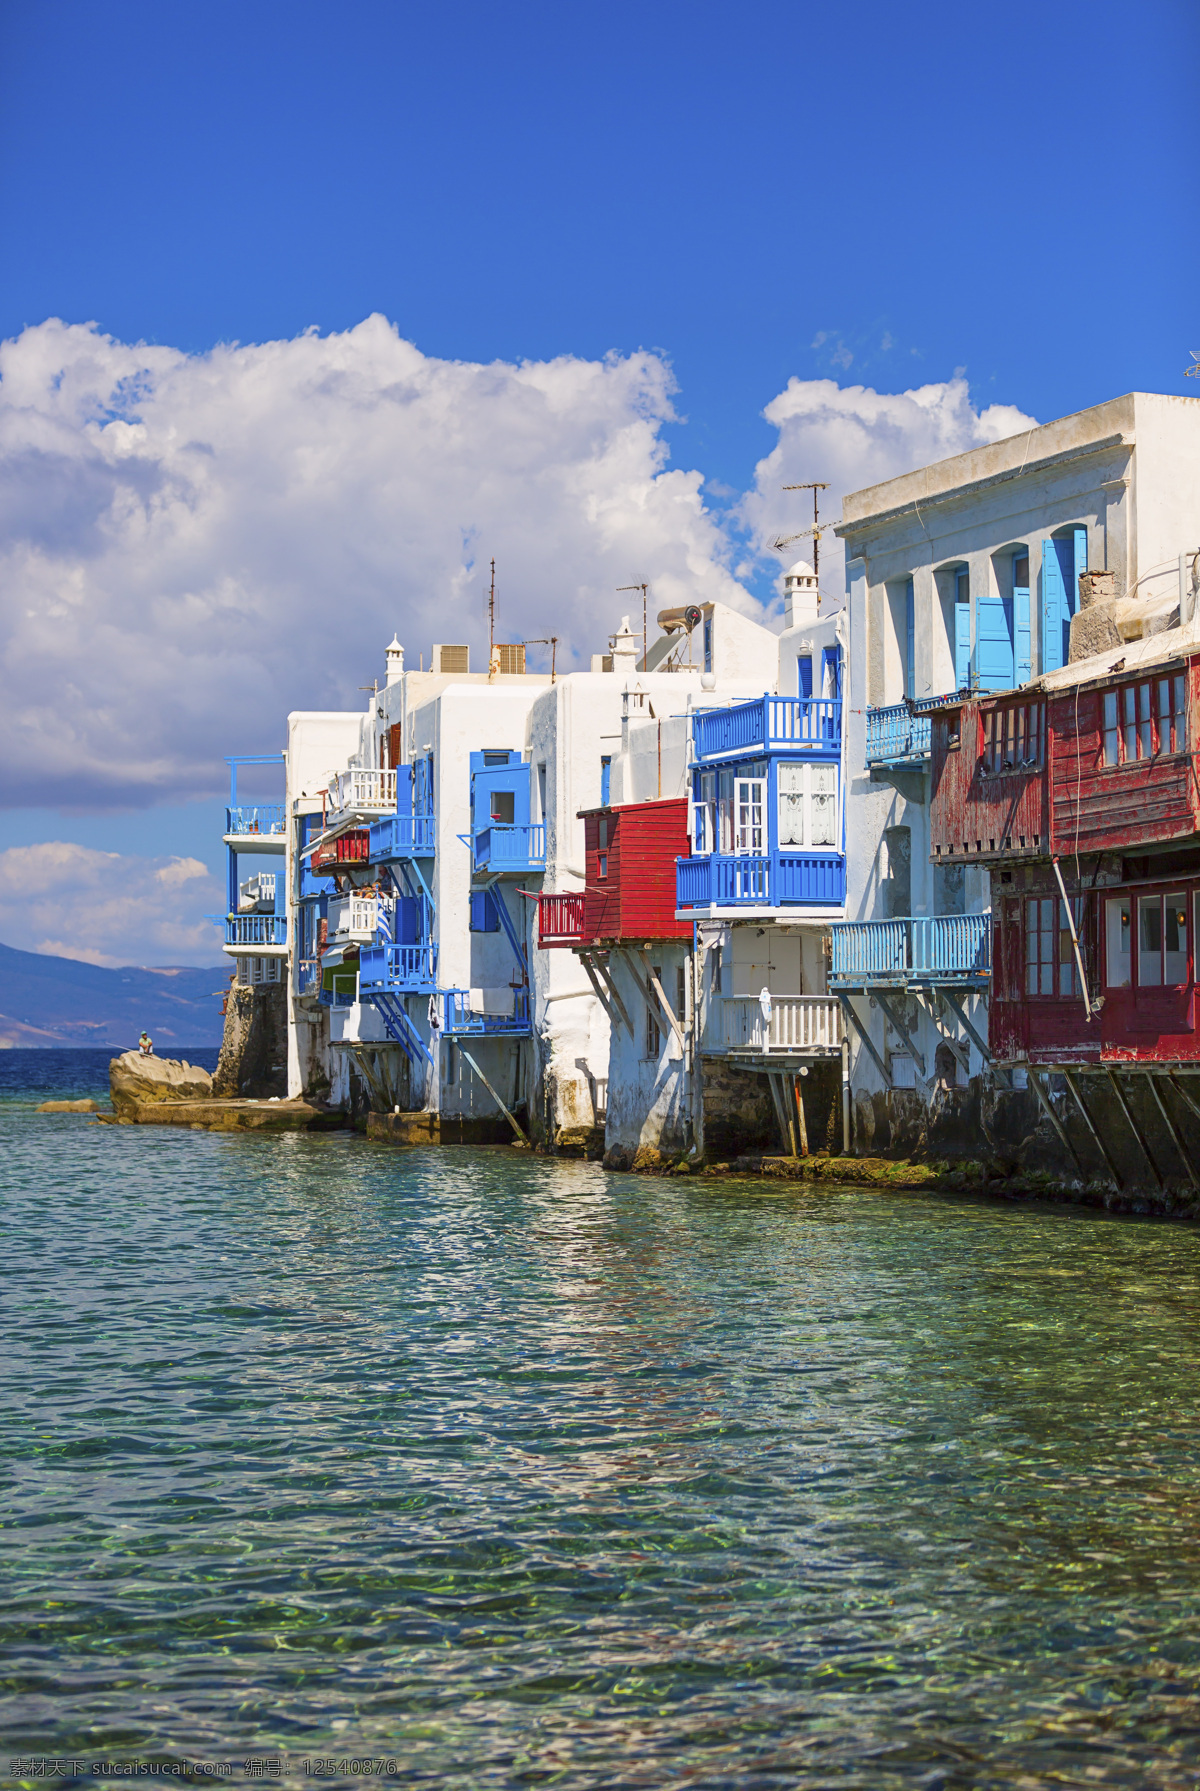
x=253, y=1060
x=68, y=1107
x=136, y=1081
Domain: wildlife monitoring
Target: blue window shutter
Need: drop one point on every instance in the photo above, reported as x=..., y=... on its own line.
x=910, y=641
x=1053, y=605
x=1022, y=642
x=605, y=781
x=831, y=673
x=962, y=645
x=804, y=674
x=994, y=642
x=1081, y=565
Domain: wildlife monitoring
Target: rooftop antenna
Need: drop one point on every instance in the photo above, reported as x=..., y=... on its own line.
x=492, y=616
x=645, y=640
x=1193, y=371
x=547, y=640
x=813, y=485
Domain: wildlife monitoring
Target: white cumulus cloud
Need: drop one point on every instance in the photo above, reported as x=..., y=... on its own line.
x=190, y=546
x=852, y=436
x=108, y=908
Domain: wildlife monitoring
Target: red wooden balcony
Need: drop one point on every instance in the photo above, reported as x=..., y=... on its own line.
x=1094, y=767
x=347, y=848
x=630, y=863
x=560, y=919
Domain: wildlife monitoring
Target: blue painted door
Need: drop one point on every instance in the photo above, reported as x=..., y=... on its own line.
x=1023, y=643
x=1063, y=559
x=605, y=780
x=994, y=657
x=962, y=646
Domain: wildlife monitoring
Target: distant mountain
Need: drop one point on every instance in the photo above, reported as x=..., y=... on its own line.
x=59, y=1001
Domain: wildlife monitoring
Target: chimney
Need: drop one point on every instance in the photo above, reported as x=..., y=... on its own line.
x=395, y=661
x=624, y=648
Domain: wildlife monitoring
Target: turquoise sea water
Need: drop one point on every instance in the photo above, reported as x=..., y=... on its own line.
x=513, y=1472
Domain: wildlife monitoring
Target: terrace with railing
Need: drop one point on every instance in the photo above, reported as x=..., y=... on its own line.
x=255, y=820
x=462, y=1020
x=403, y=836
x=255, y=931
x=560, y=918
x=899, y=733
x=353, y=917
x=766, y=880
x=922, y=949
x=797, y=1023
x=361, y=792
x=502, y=849
x=397, y=969
x=768, y=724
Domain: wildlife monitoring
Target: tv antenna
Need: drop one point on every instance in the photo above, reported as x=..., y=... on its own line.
x=645, y=639
x=492, y=616
x=818, y=527
x=1193, y=371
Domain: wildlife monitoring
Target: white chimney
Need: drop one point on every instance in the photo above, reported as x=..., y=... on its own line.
x=625, y=648
x=802, y=602
x=395, y=661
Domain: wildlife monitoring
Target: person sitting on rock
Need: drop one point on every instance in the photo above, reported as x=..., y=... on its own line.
x=146, y=1045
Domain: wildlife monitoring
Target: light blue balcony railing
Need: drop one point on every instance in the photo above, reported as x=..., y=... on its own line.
x=900, y=733
x=403, y=836
x=926, y=948
x=256, y=929
x=768, y=724
x=501, y=848
x=397, y=969
x=771, y=880
x=459, y=1019
x=258, y=817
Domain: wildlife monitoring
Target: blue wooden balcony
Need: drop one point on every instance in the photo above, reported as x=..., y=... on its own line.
x=501, y=849
x=261, y=818
x=768, y=724
x=397, y=969
x=900, y=733
x=461, y=1021
x=924, y=949
x=767, y=880
x=256, y=930
x=403, y=836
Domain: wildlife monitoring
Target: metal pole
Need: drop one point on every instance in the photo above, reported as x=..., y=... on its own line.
x=845, y=1095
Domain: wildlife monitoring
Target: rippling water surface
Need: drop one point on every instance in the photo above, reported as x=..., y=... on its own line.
x=520, y=1473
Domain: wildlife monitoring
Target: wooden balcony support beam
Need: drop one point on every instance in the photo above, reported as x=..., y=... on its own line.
x=928, y=1000
x=1142, y=1145
x=608, y=996
x=667, y=1009
x=1047, y=1106
x=865, y=1036
x=918, y=1056
x=1176, y=1140
x=466, y=1056
x=1091, y=1126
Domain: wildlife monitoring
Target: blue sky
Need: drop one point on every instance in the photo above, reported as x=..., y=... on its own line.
x=870, y=194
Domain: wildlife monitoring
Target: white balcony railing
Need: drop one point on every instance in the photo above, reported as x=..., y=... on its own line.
x=362, y=793
x=256, y=895
x=353, y=917
x=797, y=1023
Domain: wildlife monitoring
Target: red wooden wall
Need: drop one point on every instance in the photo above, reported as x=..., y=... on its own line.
x=636, y=900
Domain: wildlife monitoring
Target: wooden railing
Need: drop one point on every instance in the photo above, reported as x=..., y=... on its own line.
x=922, y=948
x=560, y=918
x=796, y=1023
x=767, y=722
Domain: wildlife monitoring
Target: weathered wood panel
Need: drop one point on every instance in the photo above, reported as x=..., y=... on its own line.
x=977, y=813
x=1102, y=808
